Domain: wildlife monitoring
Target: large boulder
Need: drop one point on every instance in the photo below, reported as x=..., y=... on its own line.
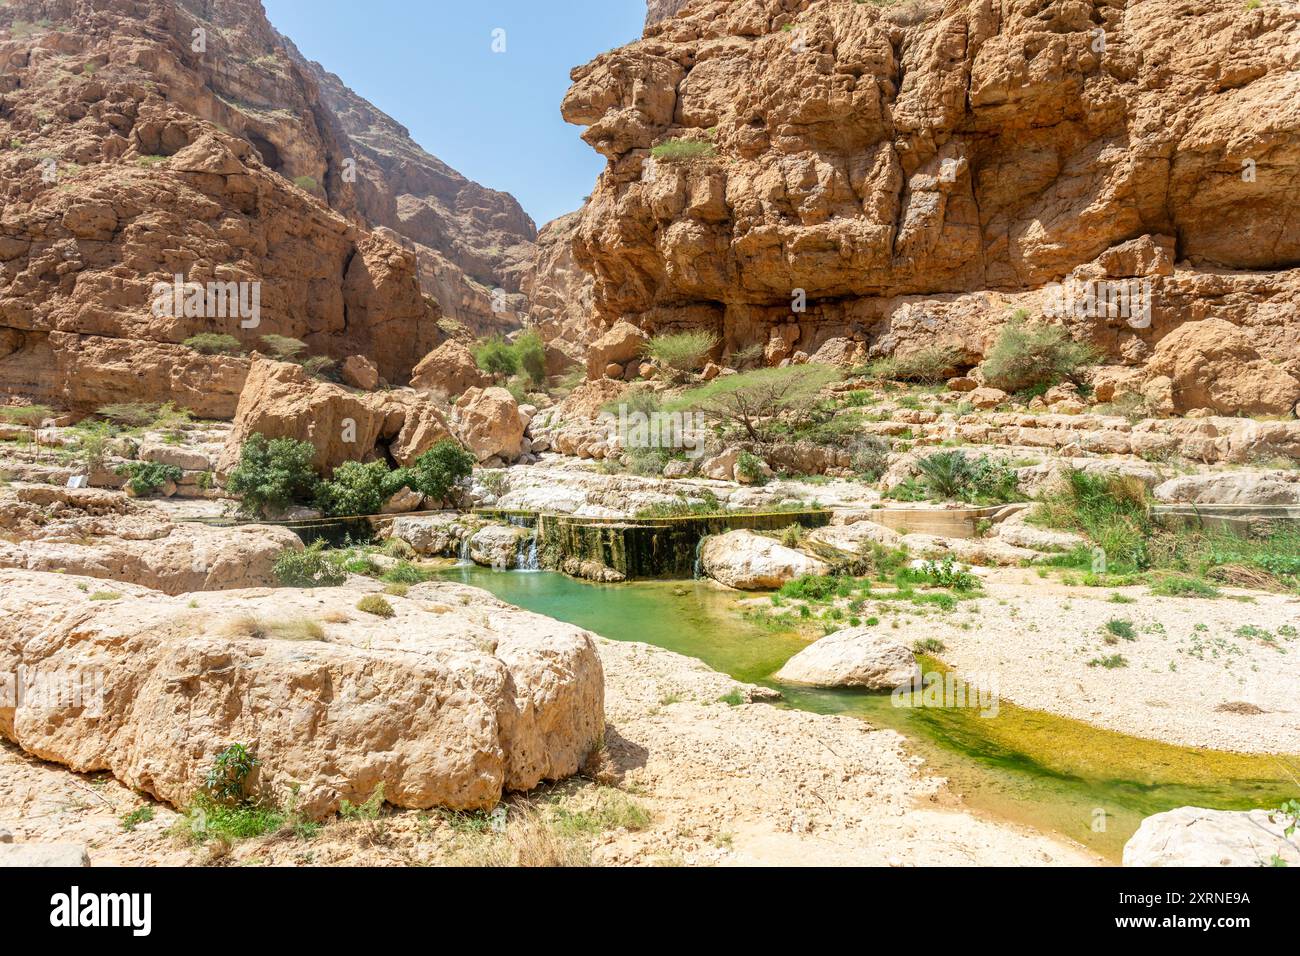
x=621, y=344
x=99, y=534
x=1192, y=836
x=281, y=400
x=855, y=657
x=1213, y=364
x=489, y=425
x=452, y=701
x=748, y=561
x=498, y=546
x=1232, y=488
x=448, y=371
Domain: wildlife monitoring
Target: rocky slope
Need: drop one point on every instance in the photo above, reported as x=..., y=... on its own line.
x=920, y=171
x=469, y=241
x=139, y=141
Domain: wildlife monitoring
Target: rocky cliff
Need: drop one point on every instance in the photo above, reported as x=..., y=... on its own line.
x=472, y=243
x=142, y=141
x=911, y=174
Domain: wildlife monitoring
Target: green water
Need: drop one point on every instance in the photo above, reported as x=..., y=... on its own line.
x=1048, y=772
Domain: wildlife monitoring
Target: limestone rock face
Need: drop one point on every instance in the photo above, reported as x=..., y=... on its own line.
x=621, y=344
x=489, y=425
x=920, y=172
x=359, y=372
x=855, y=657
x=1212, y=364
x=281, y=400
x=559, y=295
x=1232, y=488
x=101, y=535
x=1192, y=836
x=448, y=371
x=455, y=700
x=142, y=159
x=751, y=562
x=498, y=546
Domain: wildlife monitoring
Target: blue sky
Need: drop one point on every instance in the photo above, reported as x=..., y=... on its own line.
x=493, y=116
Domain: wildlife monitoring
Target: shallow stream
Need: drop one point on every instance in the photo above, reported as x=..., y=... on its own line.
x=1051, y=773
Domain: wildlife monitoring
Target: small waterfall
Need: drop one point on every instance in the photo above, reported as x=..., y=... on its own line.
x=462, y=555
x=697, y=569
x=527, y=560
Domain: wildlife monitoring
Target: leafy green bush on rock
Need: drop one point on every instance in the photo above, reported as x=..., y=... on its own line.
x=273, y=474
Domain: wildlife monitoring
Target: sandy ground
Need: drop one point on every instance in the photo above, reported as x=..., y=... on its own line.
x=1190, y=660
x=749, y=784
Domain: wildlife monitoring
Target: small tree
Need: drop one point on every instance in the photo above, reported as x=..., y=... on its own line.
x=760, y=404
x=1030, y=356
x=530, y=351
x=32, y=416
x=273, y=474
x=496, y=357
x=440, y=469
x=360, y=489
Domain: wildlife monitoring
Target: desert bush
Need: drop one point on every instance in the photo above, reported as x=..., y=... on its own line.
x=1033, y=356
x=683, y=150
x=869, y=456
x=129, y=414
x=377, y=605
x=213, y=343
x=749, y=467
x=312, y=567
x=440, y=469
x=682, y=351
x=283, y=348
x=144, y=478
x=273, y=474
x=1111, y=510
x=927, y=366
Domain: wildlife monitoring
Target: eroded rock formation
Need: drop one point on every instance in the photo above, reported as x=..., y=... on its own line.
x=142, y=141
x=452, y=701
x=918, y=172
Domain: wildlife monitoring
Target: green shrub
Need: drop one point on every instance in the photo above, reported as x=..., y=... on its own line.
x=212, y=343
x=958, y=476
x=311, y=567
x=359, y=489
x=1121, y=627
x=946, y=574
x=273, y=474
x=136, y=817
x=146, y=477
x=129, y=414
x=377, y=605
x=283, y=348
x=750, y=469
x=927, y=366
x=531, y=353
x=404, y=572
x=435, y=473
x=227, y=779
x=307, y=182
x=683, y=150
x=682, y=351
x=497, y=357
x=1029, y=356
x=29, y=415
x=1179, y=586
x=1111, y=510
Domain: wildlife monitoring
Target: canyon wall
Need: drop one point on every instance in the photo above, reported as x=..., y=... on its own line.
x=848, y=179
x=144, y=140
